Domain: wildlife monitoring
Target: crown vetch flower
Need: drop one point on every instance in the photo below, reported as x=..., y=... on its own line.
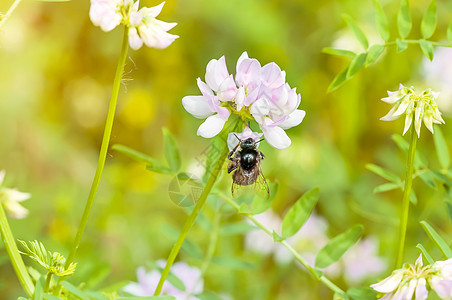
x=416, y=280
x=257, y=93
x=422, y=108
x=11, y=198
x=245, y=134
x=142, y=24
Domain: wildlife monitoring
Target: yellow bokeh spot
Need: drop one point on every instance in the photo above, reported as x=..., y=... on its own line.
x=138, y=109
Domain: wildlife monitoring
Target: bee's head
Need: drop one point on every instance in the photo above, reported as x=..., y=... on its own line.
x=248, y=143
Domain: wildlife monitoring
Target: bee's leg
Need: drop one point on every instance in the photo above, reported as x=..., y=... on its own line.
x=261, y=155
x=233, y=151
x=232, y=165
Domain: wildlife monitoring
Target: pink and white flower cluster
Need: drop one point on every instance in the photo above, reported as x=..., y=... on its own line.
x=257, y=93
x=143, y=27
x=413, y=281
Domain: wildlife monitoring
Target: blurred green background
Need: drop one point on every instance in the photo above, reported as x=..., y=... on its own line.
x=56, y=77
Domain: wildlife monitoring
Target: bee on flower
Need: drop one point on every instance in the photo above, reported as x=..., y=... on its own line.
x=143, y=27
x=11, y=198
x=421, y=107
x=257, y=93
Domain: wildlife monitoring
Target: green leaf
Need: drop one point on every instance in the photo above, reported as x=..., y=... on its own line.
x=401, y=45
x=441, y=148
x=338, y=81
x=381, y=21
x=51, y=297
x=39, y=289
x=340, y=296
x=437, y=239
x=425, y=253
x=261, y=204
x=211, y=154
x=276, y=237
x=232, y=263
x=152, y=164
x=374, y=53
x=362, y=293
x=96, y=295
x=74, y=290
x=21, y=298
x=413, y=198
x=388, y=175
x=428, y=179
x=449, y=32
x=429, y=21
x=356, y=64
x=385, y=187
x=171, y=150
x=208, y=296
x=339, y=52
x=299, y=213
x=115, y=286
x=336, y=247
x=419, y=160
x=427, y=48
x=404, y=19
x=236, y=228
x=148, y=298
x=441, y=177
x=356, y=30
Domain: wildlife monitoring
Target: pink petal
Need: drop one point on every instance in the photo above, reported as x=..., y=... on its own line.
x=248, y=73
x=205, y=90
x=216, y=73
x=272, y=76
x=260, y=109
x=421, y=290
x=227, y=89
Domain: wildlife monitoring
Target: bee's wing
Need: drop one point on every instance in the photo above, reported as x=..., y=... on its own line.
x=260, y=185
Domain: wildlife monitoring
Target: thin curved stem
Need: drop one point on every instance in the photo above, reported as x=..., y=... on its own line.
x=103, y=148
x=192, y=217
x=9, y=12
x=406, y=197
x=14, y=256
x=283, y=242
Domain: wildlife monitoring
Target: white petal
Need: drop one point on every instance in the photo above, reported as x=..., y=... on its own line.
x=240, y=98
x=408, y=120
x=442, y=287
x=421, y=290
x=154, y=11
x=241, y=58
x=260, y=109
x=232, y=140
x=15, y=195
x=276, y=137
x=390, y=115
x=15, y=210
x=293, y=119
x=197, y=106
x=2, y=176
x=403, y=106
x=390, y=283
x=272, y=75
x=211, y=126
x=135, y=41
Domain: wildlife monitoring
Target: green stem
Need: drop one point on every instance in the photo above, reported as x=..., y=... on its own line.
x=406, y=197
x=9, y=12
x=47, y=284
x=14, y=256
x=283, y=242
x=192, y=217
x=103, y=149
x=439, y=44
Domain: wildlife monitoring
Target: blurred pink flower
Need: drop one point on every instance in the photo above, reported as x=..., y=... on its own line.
x=147, y=282
x=142, y=24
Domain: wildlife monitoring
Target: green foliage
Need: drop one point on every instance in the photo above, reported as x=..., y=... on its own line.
x=429, y=21
x=374, y=53
x=299, y=213
x=337, y=246
x=339, y=52
x=362, y=293
x=442, y=151
x=172, y=152
x=356, y=31
x=338, y=81
x=401, y=45
x=427, y=48
x=39, y=289
x=437, y=239
x=381, y=21
x=449, y=32
x=425, y=253
x=356, y=64
x=53, y=262
x=151, y=163
x=404, y=19
x=388, y=175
